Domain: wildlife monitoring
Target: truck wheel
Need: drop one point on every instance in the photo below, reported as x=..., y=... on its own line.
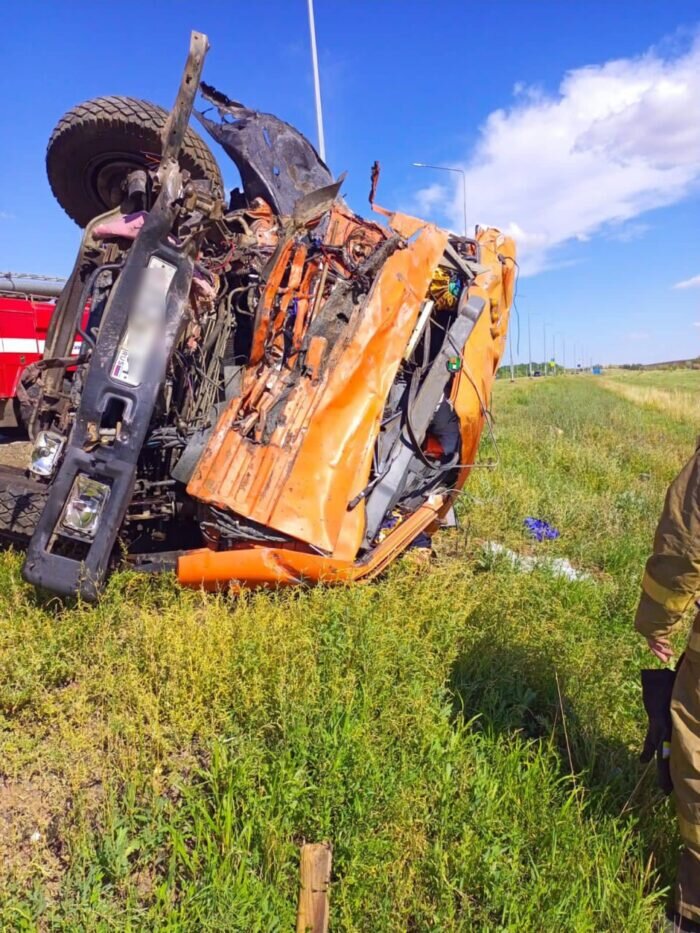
x=97, y=144
x=22, y=501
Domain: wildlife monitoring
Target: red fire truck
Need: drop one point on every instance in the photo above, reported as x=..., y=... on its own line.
x=26, y=305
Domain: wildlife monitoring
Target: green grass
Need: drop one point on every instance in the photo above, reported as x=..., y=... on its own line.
x=682, y=380
x=173, y=749
x=672, y=392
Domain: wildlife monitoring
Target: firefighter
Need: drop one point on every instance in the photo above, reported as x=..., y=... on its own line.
x=670, y=585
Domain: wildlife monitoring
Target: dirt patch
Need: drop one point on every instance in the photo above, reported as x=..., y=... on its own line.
x=450, y=543
x=30, y=817
x=14, y=453
x=35, y=813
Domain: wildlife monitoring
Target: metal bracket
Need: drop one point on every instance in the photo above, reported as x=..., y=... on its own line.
x=179, y=118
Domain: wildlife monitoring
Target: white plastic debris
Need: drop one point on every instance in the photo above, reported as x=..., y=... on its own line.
x=35, y=836
x=559, y=566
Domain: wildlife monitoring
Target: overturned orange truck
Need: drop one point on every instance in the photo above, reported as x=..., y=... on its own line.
x=270, y=389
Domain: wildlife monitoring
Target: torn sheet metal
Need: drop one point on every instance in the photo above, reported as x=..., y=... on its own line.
x=277, y=163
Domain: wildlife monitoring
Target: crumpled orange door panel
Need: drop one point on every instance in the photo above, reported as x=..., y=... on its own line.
x=326, y=449
x=471, y=392
x=300, y=483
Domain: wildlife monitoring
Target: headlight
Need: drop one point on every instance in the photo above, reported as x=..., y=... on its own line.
x=45, y=453
x=84, y=506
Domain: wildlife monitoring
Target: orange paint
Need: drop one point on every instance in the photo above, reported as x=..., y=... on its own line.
x=296, y=449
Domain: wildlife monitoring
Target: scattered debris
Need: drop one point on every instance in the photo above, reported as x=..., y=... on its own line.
x=559, y=566
x=540, y=530
x=315, y=870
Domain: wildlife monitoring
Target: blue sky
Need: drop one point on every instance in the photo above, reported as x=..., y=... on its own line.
x=578, y=125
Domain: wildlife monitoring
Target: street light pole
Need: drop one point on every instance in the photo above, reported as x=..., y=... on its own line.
x=512, y=367
x=317, y=82
x=529, y=347
x=457, y=171
x=563, y=344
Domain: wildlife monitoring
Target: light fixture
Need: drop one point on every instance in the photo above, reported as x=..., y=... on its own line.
x=83, y=509
x=45, y=453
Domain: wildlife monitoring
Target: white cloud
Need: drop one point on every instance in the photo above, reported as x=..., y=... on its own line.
x=628, y=233
x=696, y=323
x=431, y=197
x=616, y=140
x=689, y=283
x=5, y=215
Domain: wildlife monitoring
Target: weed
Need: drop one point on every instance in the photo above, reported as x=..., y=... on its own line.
x=192, y=741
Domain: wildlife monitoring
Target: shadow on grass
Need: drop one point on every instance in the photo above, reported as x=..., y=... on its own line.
x=504, y=690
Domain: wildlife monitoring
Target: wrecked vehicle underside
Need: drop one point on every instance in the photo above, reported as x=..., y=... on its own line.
x=269, y=390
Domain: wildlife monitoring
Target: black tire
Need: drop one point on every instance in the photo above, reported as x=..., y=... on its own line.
x=22, y=501
x=96, y=144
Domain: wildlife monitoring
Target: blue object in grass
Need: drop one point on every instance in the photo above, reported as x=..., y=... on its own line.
x=422, y=540
x=540, y=529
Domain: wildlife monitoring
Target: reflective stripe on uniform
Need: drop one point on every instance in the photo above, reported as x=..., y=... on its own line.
x=669, y=599
x=690, y=832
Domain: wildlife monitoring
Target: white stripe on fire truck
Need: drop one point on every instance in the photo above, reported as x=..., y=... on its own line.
x=25, y=345
x=18, y=345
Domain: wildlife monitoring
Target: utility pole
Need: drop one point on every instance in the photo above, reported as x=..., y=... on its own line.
x=317, y=82
x=512, y=368
x=563, y=343
x=529, y=347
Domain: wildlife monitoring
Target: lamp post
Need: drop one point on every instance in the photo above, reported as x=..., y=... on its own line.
x=563, y=346
x=529, y=343
x=512, y=367
x=545, y=325
x=457, y=171
x=317, y=82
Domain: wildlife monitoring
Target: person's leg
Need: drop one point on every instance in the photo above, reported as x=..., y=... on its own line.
x=685, y=771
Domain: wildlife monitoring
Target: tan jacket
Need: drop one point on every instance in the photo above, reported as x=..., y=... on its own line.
x=672, y=576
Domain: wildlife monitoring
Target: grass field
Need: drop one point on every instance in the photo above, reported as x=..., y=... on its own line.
x=680, y=380
x=676, y=393
x=464, y=733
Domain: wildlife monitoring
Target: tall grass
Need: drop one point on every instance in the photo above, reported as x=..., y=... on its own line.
x=172, y=749
x=683, y=380
x=679, y=404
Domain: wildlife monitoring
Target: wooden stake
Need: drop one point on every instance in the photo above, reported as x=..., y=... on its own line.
x=315, y=871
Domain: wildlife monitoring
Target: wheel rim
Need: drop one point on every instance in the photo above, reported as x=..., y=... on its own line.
x=104, y=175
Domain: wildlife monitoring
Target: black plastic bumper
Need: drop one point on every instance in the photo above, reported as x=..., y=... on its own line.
x=47, y=564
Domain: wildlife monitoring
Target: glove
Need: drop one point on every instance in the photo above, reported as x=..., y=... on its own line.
x=657, y=687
